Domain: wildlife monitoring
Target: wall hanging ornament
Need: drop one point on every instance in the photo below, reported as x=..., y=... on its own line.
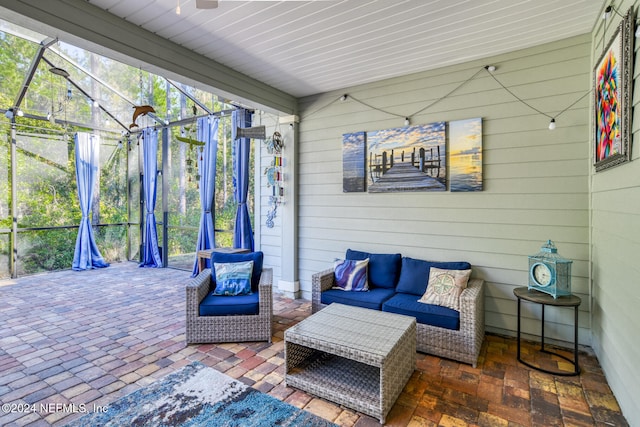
x=275, y=177
x=276, y=182
x=275, y=143
x=188, y=138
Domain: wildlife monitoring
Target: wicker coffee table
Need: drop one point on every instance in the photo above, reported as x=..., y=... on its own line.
x=353, y=356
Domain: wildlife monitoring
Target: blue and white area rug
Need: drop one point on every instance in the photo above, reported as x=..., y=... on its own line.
x=199, y=396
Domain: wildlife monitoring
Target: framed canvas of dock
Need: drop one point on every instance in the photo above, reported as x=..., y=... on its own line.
x=354, y=148
x=613, y=82
x=465, y=155
x=411, y=158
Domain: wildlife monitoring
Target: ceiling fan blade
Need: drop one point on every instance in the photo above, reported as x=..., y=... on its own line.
x=206, y=4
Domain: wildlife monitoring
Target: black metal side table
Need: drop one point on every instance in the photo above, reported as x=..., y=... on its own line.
x=523, y=293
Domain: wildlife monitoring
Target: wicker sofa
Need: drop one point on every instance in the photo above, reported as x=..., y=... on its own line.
x=458, y=337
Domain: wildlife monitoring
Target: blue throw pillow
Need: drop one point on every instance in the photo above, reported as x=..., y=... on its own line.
x=256, y=257
x=233, y=278
x=351, y=275
x=384, y=269
x=414, y=275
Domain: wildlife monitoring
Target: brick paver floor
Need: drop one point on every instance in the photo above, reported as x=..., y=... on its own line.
x=88, y=338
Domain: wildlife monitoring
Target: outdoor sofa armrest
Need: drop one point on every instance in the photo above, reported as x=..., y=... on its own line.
x=198, y=288
x=265, y=291
x=472, y=306
x=320, y=282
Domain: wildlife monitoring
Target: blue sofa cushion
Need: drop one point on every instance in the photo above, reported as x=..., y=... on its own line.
x=427, y=314
x=414, y=275
x=256, y=257
x=220, y=305
x=384, y=269
x=372, y=299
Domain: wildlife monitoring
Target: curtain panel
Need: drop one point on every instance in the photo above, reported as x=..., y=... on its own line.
x=86, y=255
x=242, y=232
x=208, y=133
x=150, y=250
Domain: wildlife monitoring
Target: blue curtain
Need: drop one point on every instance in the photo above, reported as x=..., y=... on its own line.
x=242, y=232
x=207, y=133
x=150, y=250
x=86, y=255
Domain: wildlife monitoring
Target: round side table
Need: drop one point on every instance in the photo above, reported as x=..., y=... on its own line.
x=523, y=293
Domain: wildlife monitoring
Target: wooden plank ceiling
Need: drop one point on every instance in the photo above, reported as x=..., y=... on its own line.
x=308, y=47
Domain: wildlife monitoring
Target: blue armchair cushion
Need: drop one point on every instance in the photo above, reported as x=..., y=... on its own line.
x=351, y=275
x=256, y=257
x=218, y=305
x=427, y=314
x=414, y=274
x=233, y=278
x=372, y=299
x=384, y=269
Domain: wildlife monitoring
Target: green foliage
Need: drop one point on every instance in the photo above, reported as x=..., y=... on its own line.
x=45, y=163
x=45, y=250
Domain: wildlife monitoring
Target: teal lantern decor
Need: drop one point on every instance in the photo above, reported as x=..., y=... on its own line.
x=549, y=272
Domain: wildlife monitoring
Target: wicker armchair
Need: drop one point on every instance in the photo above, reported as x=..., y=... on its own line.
x=238, y=328
x=462, y=345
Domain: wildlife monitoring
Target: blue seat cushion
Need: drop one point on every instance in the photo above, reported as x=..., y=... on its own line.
x=414, y=274
x=384, y=269
x=256, y=257
x=222, y=305
x=372, y=299
x=427, y=314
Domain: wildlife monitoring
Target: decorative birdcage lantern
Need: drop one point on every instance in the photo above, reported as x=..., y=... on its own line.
x=549, y=272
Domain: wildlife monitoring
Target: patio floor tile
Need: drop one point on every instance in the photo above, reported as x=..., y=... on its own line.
x=98, y=335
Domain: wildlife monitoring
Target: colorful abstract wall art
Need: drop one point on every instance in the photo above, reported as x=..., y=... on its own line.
x=353, y=160
x=613, y=76
x=465, y=155
x=411, y=158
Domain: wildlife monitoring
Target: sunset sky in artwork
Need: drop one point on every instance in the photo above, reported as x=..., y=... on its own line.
x=465, y=136
x=429, y=135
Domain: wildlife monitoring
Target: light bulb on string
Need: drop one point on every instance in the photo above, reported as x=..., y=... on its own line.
x=552, y=124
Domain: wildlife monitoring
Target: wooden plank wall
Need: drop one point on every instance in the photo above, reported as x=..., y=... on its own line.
x=268, y=240
x=615, y=237
x=535, y=180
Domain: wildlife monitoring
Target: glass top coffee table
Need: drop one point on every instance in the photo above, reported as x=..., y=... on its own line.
x=353, y=356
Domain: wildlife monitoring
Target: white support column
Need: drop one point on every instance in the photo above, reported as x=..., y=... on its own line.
x=289, y=284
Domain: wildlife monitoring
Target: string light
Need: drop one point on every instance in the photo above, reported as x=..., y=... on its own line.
x=552, y=123
x=489, y=69
x=178, y=8
x=608, y=10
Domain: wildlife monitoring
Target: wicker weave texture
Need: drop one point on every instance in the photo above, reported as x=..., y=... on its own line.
x=210, y=329
x=356, y=357
x=462, y=345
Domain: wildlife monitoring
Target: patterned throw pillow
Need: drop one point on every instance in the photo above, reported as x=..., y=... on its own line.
x=445, y=287
x=351, y=275
x=233, y=278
